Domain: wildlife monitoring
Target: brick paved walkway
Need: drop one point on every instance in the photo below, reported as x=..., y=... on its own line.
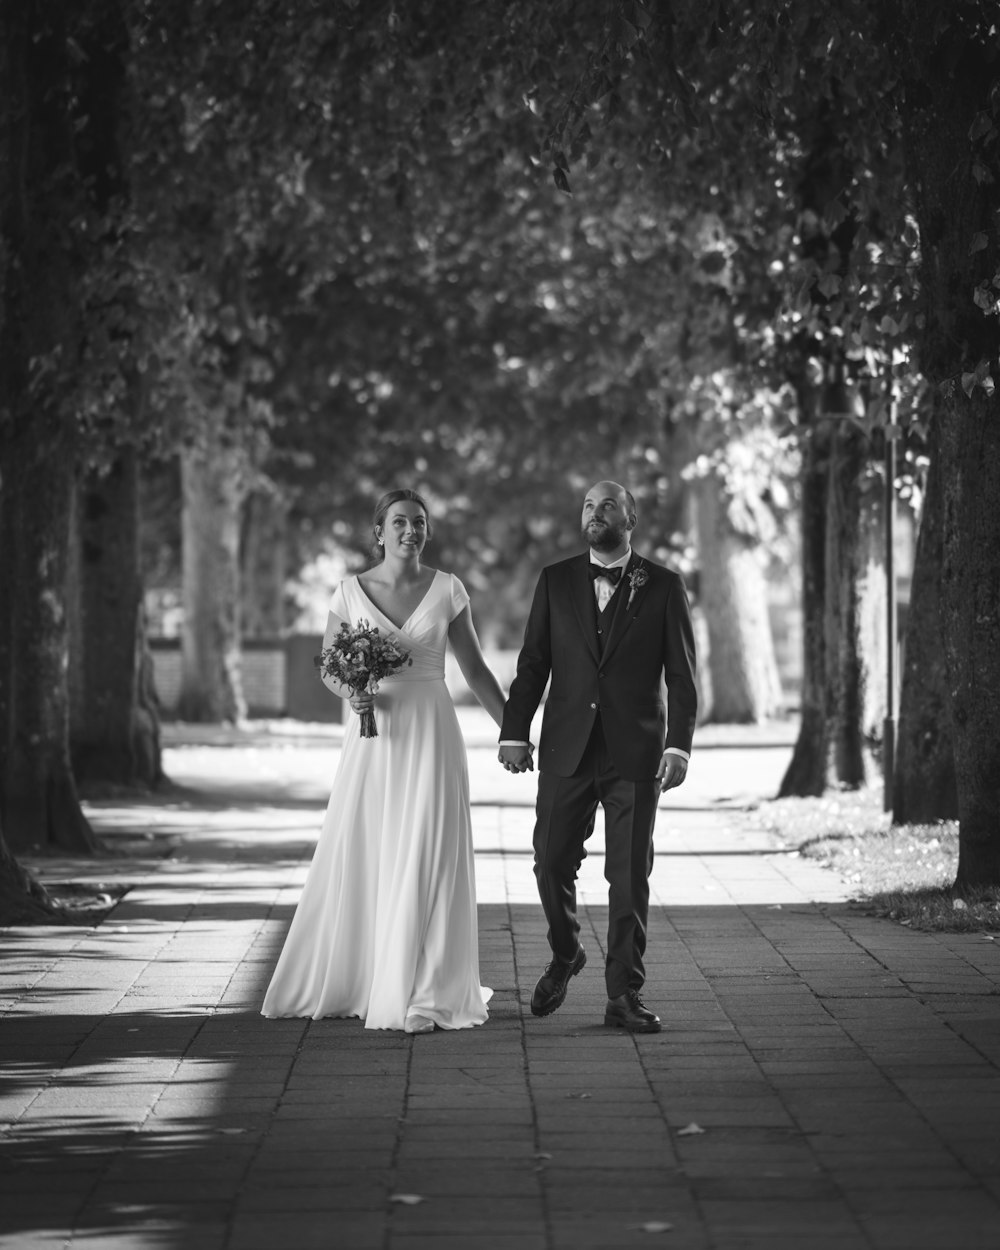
x=825, y=1079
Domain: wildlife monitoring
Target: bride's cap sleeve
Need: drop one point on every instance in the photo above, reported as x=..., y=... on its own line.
x=338, y=602
x=459, y=597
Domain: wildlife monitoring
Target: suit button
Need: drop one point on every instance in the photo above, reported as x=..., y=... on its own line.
x=594, y=705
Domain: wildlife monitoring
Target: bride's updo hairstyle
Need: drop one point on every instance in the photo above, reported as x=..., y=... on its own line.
x=382, y=511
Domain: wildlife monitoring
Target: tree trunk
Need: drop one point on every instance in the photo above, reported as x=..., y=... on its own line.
x=957, y=215
x=41, y=806
x=971, y=585
x=212, y=479
x=744, y=673
x=41, y=332
x=873, y=614
x=845, y=664
x=263, y=565
x=23, y=900
x=8, y=546
x=924, y=788
x=806, y=772
x=114, y=729
x=842, y=599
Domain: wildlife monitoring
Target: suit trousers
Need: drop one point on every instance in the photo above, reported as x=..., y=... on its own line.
x=566, y=811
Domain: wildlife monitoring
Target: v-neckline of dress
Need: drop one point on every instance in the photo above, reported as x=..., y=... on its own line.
x=386, y=617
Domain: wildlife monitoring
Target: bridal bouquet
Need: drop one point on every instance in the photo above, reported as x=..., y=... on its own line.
x=360, y=657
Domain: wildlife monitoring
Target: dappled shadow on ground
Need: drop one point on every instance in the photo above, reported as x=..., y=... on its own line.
x=245, y=797
x=199, y=1124
x=189, y=1126
x=108, y=1145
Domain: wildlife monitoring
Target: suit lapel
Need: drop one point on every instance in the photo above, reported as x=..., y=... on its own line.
x=625, y=612
x=582, y=588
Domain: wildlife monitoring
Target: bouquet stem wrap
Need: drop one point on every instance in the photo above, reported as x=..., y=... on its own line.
x=359, y=657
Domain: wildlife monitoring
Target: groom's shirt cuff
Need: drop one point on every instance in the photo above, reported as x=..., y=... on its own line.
x=685, y=755
x=514, y=742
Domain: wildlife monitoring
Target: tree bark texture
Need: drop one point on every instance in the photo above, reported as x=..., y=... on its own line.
x=744, y=672
x=843, y=601
x=846, y=552
x=8, y=546
x=873, y=610
x=971, y=584
x=924, y=787
x=806, y=774
x=212, y=480
x=41, y=806
x=957, y=214
x=114, y=735
x=263, y=565
x=23, y=899
x=40, y=336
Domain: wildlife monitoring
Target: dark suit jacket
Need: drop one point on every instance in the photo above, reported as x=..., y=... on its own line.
x=650, y=640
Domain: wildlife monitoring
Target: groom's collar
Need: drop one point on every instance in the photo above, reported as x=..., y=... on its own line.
x=620, y=563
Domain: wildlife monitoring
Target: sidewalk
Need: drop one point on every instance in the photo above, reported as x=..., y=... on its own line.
x=824, y=1080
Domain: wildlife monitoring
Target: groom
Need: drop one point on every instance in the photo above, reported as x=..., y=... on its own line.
x=609, y=627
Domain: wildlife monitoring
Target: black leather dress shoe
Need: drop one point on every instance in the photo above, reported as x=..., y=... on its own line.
x=550, y=992
x=628, y=1012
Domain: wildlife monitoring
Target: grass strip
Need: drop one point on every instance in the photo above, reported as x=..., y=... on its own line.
x=901, y=872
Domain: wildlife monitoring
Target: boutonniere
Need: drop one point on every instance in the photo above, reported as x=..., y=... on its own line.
x=637, y=578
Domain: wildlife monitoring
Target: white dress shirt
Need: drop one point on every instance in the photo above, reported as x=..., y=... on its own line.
x=603, y=590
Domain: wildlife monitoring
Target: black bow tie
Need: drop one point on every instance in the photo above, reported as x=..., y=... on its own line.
x=613, y=575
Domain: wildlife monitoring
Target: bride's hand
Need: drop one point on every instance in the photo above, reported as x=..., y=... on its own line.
x=362, y=701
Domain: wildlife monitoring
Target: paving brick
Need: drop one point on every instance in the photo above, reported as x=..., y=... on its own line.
x=845, y=1072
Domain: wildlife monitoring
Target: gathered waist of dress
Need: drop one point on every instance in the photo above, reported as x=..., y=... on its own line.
x=417, y=674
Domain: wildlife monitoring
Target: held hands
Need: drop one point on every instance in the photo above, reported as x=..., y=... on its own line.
x=672, y=771
x=517, y=759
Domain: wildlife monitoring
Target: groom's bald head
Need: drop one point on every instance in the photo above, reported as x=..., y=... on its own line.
x=609, y=489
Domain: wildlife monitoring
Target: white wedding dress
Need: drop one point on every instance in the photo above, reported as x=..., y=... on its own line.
x=386, y=925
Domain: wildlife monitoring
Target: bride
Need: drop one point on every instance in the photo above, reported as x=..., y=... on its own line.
x=386, y=926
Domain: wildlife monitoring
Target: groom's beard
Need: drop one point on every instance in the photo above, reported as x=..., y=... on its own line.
x=602, y=536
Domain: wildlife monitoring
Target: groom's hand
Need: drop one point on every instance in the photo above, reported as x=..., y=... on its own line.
x=672, y=771
x=517, y=759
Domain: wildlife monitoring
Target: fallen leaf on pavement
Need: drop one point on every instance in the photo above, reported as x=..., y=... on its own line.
x=689, y=1130
x=407, y=1200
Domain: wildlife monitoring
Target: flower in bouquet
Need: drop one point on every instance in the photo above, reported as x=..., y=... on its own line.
x=360, y=658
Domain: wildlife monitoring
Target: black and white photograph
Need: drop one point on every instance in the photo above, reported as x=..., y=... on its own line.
x=499, y=625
